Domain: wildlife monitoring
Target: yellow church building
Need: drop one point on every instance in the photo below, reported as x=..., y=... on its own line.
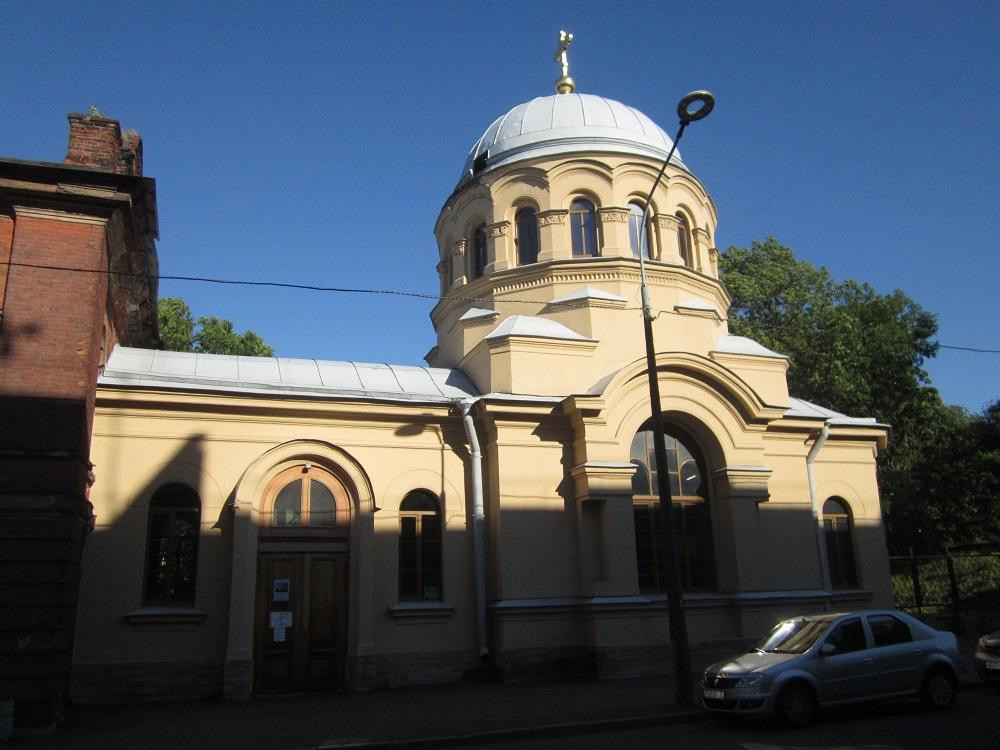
x=273, y=524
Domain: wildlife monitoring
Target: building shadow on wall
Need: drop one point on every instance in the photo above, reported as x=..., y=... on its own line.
x=132, y=643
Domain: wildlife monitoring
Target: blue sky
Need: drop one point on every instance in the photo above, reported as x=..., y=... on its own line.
x=316, y=142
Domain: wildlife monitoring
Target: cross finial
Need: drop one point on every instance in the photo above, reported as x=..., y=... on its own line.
x=564, y=84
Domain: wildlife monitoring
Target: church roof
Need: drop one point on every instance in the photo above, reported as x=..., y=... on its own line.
x=564, y=123
x=533, y=326
x=283, y=376
x=798, y=407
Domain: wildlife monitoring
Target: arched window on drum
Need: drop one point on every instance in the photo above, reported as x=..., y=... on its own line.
x=583, y=228
x=639, y=240
x=526, y=221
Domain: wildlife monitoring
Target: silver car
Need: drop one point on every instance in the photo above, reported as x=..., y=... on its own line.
x=987, y=658
x=831, y=659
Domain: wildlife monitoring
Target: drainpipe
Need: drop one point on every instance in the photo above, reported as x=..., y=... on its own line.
x=814, y=501
x=478, y=525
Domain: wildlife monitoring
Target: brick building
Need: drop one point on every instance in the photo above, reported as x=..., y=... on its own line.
x=95, y=213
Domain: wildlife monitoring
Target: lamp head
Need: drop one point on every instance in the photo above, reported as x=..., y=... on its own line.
x=703, y=103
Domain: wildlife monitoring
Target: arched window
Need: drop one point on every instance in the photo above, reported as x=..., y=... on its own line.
x=479, y=252
x=583, y=227
x=839, y=547
x=172, y=545
x=527, y=236
x=635, y=234
x=420, y=547
x=305, y=497
x=691, y=520
x=684, y=239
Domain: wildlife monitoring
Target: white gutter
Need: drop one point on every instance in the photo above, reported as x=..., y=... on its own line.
x=478, y=525
x=824, y=566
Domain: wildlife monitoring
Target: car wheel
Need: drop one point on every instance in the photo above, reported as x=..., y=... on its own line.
x=797, y=705
x=938, y=690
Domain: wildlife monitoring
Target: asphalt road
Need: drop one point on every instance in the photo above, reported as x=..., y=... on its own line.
x=899, y=725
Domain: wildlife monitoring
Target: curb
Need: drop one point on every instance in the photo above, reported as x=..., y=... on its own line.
x=522, y=732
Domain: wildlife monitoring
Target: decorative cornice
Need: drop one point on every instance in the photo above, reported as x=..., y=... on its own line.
x=749, y=482
x=500, y=229
x=613, y=213
x=667, y=222
x=52, y=214
x=552, y=216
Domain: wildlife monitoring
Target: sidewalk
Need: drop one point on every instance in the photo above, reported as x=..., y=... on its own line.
x=409, y=717
x=432, y=716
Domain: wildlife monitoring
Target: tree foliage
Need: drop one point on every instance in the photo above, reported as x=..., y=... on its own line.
x=862, y=353
x=179, y=332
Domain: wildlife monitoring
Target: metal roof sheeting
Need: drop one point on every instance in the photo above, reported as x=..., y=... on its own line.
x=283, y=375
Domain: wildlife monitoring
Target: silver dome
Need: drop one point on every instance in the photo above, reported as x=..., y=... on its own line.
x=566, y=123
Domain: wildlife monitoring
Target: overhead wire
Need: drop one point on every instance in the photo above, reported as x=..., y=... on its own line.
x=355, y=290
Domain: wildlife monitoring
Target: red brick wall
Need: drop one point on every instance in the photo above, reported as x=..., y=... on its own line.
x=51, y=344
x=6, y=236
x=57, y=329
x=96, y=141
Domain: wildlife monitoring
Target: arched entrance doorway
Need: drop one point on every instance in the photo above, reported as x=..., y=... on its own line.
x=300, y=627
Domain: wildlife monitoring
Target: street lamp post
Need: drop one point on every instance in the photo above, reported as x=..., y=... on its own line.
x=702, y=103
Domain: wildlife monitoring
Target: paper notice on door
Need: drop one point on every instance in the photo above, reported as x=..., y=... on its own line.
x=280, y=622
x=279, y=590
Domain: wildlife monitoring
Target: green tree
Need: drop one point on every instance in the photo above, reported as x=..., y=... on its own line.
x=176, y=325
x=850, y=348
x=862, y=353
x=179, y=332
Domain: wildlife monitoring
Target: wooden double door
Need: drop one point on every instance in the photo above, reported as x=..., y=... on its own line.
x=301, y=621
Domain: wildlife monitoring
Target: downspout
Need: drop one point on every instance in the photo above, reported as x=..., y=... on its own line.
x=478, y=525
x=814, y=502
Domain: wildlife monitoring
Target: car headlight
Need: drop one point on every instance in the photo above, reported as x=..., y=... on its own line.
x=750, y=681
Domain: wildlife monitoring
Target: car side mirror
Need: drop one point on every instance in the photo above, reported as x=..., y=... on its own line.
x=828, y=649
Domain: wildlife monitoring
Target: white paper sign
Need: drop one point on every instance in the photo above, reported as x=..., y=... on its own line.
x=280, y=622
x=279, y=590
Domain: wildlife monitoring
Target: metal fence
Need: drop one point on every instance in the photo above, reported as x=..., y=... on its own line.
x=959, y=591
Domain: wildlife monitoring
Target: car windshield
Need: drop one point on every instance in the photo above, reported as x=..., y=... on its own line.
x=793, y=636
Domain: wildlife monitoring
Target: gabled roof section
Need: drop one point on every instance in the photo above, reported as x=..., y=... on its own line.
x=146, y=368
x=532, y=326
x=585, y=293
x=743, y=345
x=801, y=408
x=476, y=313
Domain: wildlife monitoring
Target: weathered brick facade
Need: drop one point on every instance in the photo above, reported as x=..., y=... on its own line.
x=77, y=275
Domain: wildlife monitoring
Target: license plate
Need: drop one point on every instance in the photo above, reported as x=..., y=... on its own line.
x=989, y=665
x=715, y=695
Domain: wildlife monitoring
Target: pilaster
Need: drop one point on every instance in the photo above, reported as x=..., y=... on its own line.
x=552, y=240
x=604, y=491
x=670, y=251
x=614, y=225
x=457, y=256
x=500, y=248
x=738, y=490
x=702, y=244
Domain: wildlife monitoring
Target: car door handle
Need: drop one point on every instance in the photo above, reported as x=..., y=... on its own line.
x=869, y=660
